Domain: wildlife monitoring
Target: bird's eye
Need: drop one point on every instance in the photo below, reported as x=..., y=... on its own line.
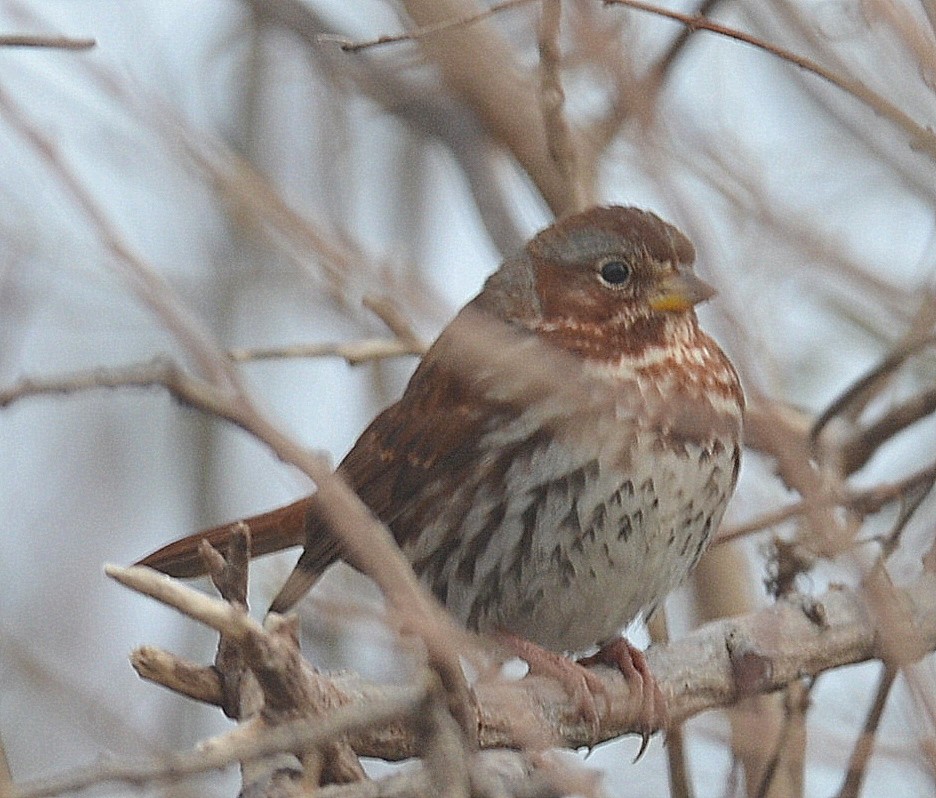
x=615, y=272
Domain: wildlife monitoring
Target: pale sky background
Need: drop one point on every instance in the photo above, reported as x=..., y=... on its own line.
x=757, y=160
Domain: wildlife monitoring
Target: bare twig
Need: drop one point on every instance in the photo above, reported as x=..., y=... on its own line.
x=760, y=523
x=857, y=390
x=422, y=31
x=786, y=763
x=482, y=70
x=158, y=372
x=389, y=313
x=910, y=501
x=241, y=694
x=855, y=453
x=864, y=745
x=248, y=189
x=238, y=746
x=559, y=140
x=221, y=616
x=771, y=429
x=445, y=752
x=49, y=42
x=431, y=112
x=6, y=775
x=920, y=682
x=353, y=352
x=920, y=136
x=680, y=783
x=198, y=682
x=863, y=502
x=662, y=67
x=262, y=674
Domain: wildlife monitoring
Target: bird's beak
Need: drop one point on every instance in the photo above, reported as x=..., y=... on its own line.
x=681, y=290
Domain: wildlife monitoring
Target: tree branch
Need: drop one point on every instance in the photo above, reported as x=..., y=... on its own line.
x=712, y=667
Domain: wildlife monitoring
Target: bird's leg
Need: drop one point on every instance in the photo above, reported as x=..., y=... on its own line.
x=632, y=663
x=580, y=684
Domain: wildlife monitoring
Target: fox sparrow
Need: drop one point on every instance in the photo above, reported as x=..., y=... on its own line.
x=558, y=487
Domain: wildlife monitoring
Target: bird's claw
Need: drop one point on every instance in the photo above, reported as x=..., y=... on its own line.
x=580, y=684
x=633, y=665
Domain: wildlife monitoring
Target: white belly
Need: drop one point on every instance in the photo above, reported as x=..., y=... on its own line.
x=583, y=547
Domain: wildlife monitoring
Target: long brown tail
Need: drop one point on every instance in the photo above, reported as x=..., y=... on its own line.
x=269, y=532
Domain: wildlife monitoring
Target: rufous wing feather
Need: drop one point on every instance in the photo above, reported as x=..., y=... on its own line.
x=424, y=435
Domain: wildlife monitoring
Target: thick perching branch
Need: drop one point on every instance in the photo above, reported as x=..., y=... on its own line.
x=714, y=666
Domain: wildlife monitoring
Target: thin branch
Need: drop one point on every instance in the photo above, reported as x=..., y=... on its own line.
x=222, y=616
x=796, y=702
x=430, y=112
x=856, y=452
x=294, y=232
x=662, y=67
x=389, y=313
x=158, y=372
x=237, y=746
x=920, y=136
x=161, y=371
x=760, y=523
x=350, y=46
x=492, y=773
x=920, y=681
x=182, y=676
x=864, y=745
x=353, y=352
x=343, y=264
x=680, y=782
x=910, y=502
x=445, y=754
x=6, y=775
x=864, y=502
x=771, y=428
x=559, y=140
x=150, y=287
x=481, y=69
x=866, y=383
x=48, y=42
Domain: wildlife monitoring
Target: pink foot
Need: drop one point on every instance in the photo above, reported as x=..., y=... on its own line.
x=580, y=684
x=632, y=663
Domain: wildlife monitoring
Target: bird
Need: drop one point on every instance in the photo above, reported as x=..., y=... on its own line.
x=561, y=480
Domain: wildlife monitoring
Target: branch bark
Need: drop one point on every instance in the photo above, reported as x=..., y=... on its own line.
x=714, y=666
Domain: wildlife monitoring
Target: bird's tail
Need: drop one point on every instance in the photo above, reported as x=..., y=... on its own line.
x=269, y=532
